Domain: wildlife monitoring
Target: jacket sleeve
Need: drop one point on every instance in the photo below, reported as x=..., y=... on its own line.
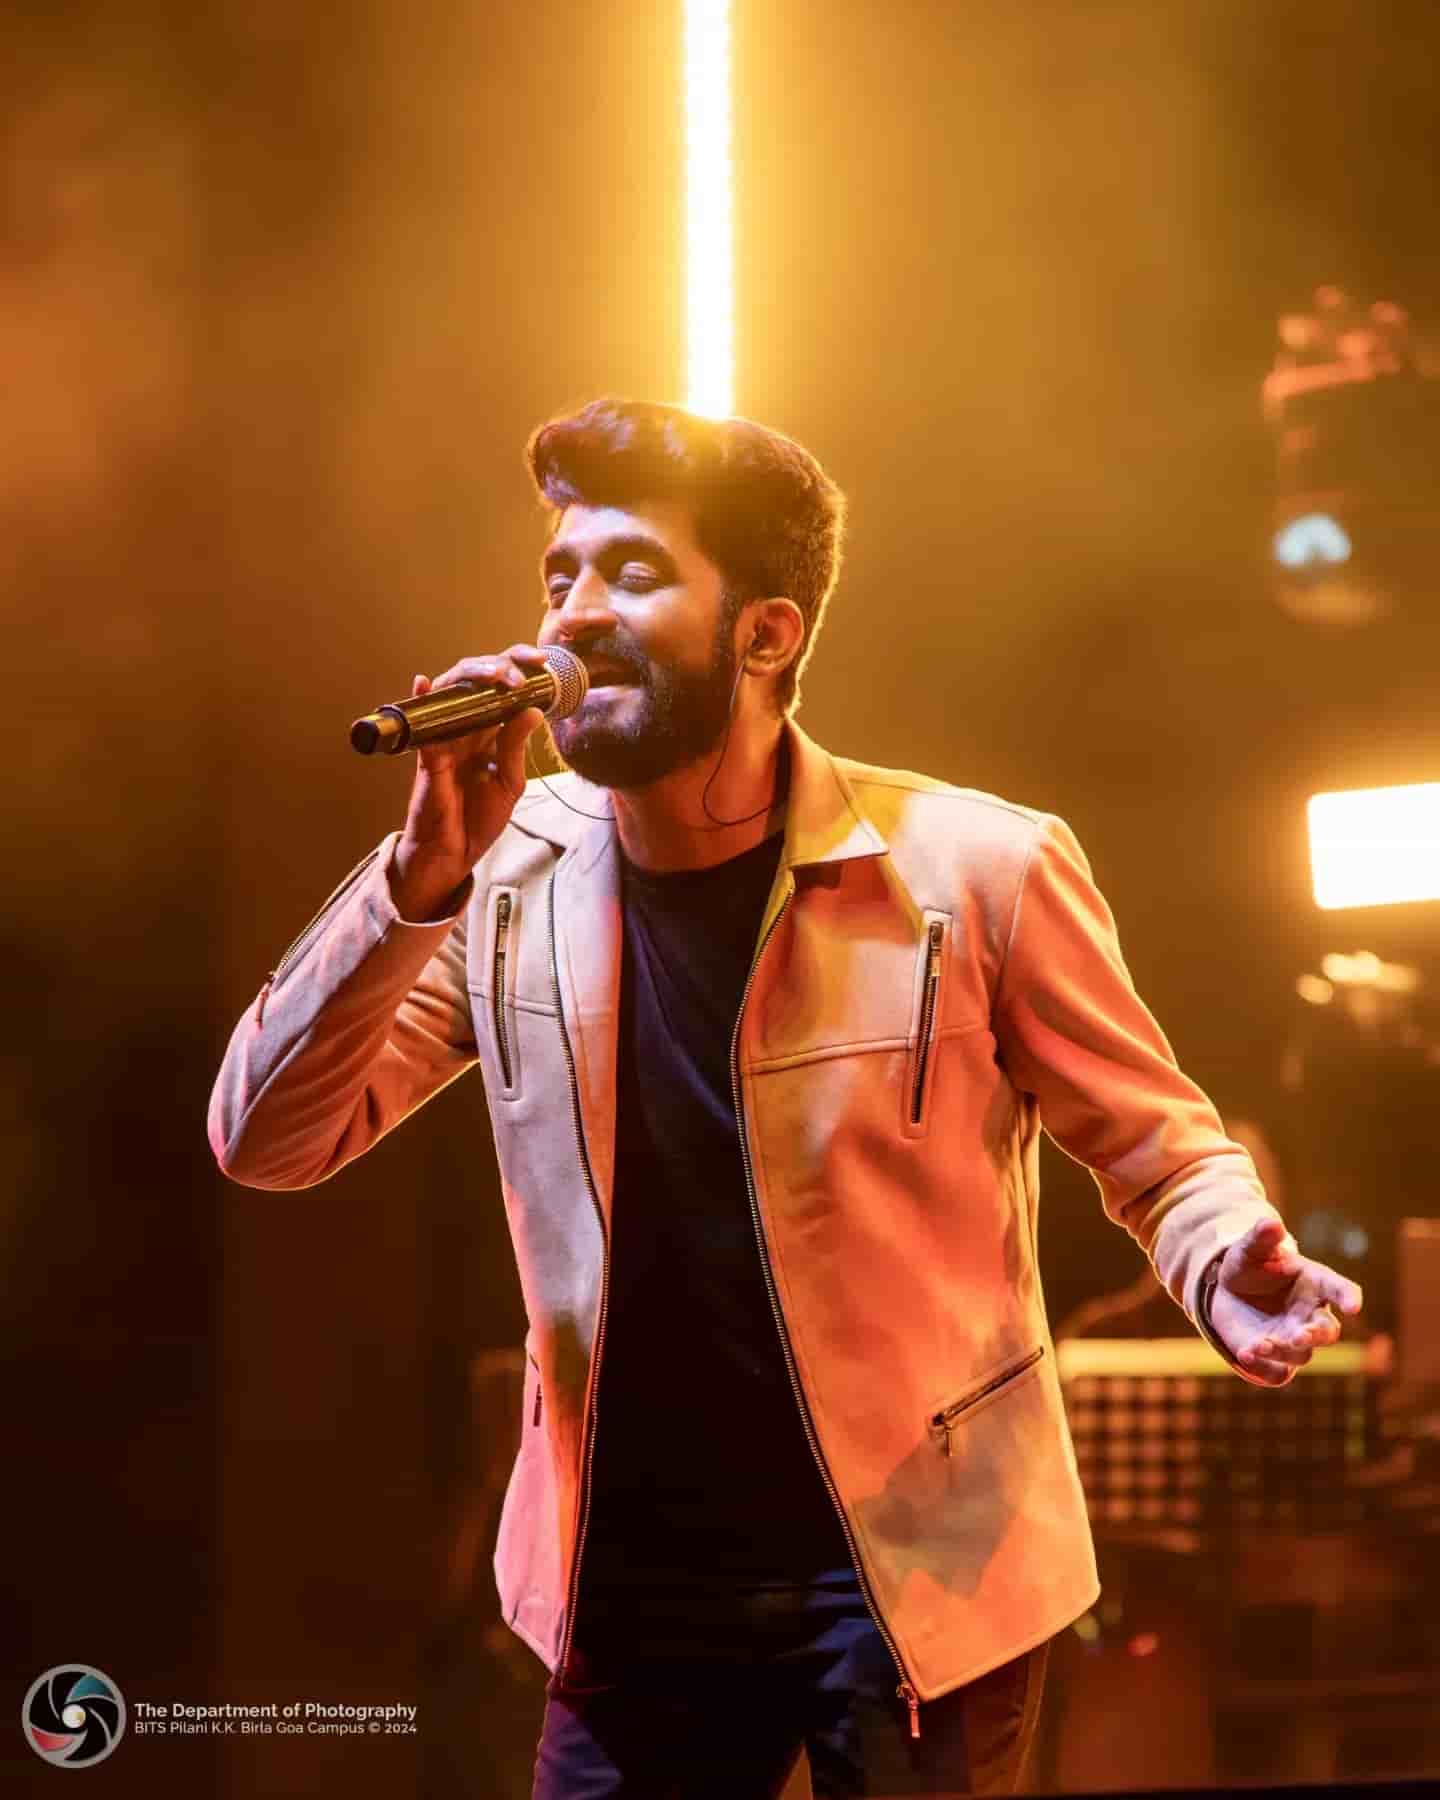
x=1072, y=1031
x=368, y=1017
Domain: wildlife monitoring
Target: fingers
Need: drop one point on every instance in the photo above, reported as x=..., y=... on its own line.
x=1285, y=1348
x=478, y=754
x=1344, y=1295
x=507, y=669
x=1327, y=1287
x=1267, y=1357
x=1267, y=1369
x=1269, y=1245
x=437, y=759
x=1288, y=1352
x=530, y=654
x=1269, y=1254
x=508, y=764
x=1322, y=1328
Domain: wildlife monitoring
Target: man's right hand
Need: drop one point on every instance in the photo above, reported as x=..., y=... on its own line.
x=465, y=790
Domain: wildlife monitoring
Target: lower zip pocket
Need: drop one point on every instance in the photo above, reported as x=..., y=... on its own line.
x=535, y=1417
x=941, y=1424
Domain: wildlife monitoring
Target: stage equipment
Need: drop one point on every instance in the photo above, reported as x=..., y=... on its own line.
x=1267, y=1560
x=1417, y=1323
x=1166, y=1435
x=1361, y=1074
x=1356, y=421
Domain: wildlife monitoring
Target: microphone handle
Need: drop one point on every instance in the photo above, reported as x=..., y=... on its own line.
x=447, y=712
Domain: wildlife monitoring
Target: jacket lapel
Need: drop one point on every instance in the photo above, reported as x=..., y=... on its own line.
x=587, y=957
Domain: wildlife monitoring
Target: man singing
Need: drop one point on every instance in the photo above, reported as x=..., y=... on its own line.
x=767, y=1038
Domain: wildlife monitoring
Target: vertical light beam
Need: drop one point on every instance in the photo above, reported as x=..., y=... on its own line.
x=709, y=222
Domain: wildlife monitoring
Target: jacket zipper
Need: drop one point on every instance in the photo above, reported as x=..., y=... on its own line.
x=301, y=943
x=943, y=1422
x=906, y=1690
x=587, y=1452
x=502, y=940
x=927, y=1018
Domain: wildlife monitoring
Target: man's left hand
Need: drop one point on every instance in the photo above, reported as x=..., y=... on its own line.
x=1274, y=1307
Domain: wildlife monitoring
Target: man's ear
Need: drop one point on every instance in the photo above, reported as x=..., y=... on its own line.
x=777, y=631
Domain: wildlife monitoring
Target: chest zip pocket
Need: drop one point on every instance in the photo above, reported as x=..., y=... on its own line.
x=504, y=946
x=926, y=1013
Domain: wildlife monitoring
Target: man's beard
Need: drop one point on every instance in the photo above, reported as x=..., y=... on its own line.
x=682, y=717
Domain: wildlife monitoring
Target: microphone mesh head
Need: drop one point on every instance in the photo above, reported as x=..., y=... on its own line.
x=572, y=682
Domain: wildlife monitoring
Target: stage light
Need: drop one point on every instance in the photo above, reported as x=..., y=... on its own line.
x=1354, y=410
x=1364, y=969
x=1375, y=846
x=1313, y=538
x=710, y=307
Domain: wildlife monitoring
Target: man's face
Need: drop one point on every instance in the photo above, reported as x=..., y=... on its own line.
x=630, y=591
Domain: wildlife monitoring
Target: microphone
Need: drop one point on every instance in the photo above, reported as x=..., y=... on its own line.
x=467, y=706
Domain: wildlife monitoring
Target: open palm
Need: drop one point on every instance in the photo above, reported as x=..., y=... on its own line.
x=1274, y=1307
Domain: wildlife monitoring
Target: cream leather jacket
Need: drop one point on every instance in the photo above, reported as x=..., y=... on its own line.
x=936, y=976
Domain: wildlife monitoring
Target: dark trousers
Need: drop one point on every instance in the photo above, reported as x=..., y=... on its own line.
x=677, y=1693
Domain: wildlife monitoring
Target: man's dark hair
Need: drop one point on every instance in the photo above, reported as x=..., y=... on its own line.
x=765, y=512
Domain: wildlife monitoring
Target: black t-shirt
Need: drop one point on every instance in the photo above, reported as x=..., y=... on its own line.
x=702, y=1468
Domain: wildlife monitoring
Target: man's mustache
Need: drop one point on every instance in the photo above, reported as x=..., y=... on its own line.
x=617, y=654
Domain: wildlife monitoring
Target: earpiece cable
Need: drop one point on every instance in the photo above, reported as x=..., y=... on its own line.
x=719, y=824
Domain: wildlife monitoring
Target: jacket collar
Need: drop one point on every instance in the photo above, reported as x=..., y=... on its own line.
x=823, y=823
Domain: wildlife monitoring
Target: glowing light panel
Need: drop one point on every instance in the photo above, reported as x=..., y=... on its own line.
x=1375, y=846
x=709, y=225
x=1314, y=538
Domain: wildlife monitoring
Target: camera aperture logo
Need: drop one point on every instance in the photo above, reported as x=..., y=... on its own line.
x=73, y=1716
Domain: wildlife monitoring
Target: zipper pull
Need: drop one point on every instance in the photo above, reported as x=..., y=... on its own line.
x=264, y=996
x=940, y=1429
x=912, y=1700
x=536, y=1419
